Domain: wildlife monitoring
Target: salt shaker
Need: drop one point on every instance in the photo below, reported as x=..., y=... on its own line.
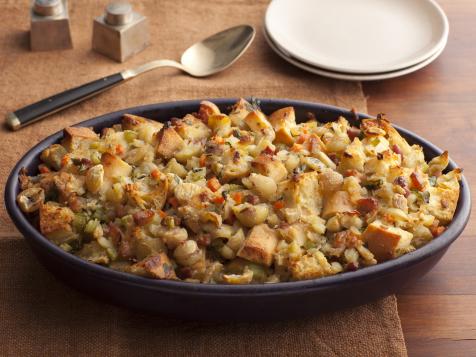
x=120, y=32
x=50, y=25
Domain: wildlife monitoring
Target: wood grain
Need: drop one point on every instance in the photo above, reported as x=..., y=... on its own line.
x=439, y=102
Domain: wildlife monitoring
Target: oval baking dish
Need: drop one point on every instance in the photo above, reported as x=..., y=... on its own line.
x=233, y=302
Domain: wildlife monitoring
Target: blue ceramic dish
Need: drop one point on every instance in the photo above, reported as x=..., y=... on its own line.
x=233, y=302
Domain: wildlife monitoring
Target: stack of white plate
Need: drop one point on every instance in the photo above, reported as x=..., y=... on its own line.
x=360, y=40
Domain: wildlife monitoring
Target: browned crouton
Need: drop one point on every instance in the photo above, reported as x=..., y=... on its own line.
x=385, y=241
x=443, y=203
x=156, y=198
x=311, y=267
x=146, y=128
x=133, y=122
x=330, y=181
x=207, y=109
x=55, y=221
x=270, y=166
x=259, y=246
x=191, y=194
x=68, y=185
x=73, y=136
x=338, y=202
x=239, y=112
x=114, y=166
x=156, y=266
x=192, y=128
x=282, y=121
x=259, y=124
x=303, y=194
x=81, y=132
x=169, y=142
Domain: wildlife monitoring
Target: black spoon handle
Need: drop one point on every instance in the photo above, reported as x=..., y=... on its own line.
x=60, y=101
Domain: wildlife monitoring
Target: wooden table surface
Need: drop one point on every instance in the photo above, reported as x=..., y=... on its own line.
x=438, y=313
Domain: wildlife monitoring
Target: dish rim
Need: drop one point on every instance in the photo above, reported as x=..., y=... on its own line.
x=33, y=236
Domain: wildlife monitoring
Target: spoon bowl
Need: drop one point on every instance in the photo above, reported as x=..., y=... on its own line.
x=217, y=52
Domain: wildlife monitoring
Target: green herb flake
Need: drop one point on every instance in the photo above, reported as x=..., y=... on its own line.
x=373, y=184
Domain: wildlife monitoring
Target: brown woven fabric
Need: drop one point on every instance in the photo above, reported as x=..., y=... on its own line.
x=40, y=316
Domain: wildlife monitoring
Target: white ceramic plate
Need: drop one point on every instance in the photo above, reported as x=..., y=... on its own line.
x=351, y=76
x=358, y=36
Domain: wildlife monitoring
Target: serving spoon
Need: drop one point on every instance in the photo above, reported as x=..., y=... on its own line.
x=212, y=55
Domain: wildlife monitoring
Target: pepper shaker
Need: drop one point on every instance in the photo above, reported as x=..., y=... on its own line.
x=50, y=25
x=120, y=32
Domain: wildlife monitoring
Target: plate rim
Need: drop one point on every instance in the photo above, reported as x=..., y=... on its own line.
x=407, y=64
x=350, y=76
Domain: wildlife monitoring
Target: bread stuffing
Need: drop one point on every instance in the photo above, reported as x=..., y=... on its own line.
x=239, y=197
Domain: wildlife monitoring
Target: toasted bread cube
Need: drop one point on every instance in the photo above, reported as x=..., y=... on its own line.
x=271, y=167
x=304, y=194
x=259, y=245
x=157, y=266
x=191, y=194
x=79, y=132
x=192, y=128
x=239, y=112
x=257, y=122
x=283, y=135
x=157, y=197
x=450, y=180
x=330, y=181
x=338, y=202
x=145, y=128
x=353, y=157
x=438, y=164
x=295, y=232
x=283, y=116
x=68, y=185
x=188, y=151
x=169, y=142
x=116, y=142
x=207, y=109
x=55, y=221
x=311, y=267
x=134, y=122
x=385, y=241
x=282, y=121
x=220, y=123
x=113, y=167
x=443, y=203
x=74, y=136
x=394, y=136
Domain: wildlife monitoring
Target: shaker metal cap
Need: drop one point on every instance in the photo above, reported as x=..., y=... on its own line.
x=48, y=7
x=118, y=13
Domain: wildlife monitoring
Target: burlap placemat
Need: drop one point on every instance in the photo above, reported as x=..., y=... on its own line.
x=40, y=316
